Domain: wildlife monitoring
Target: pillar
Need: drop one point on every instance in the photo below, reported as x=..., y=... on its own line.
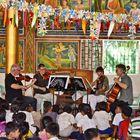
x=11, y=41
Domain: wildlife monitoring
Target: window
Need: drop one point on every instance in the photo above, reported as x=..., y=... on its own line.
x=125, y=52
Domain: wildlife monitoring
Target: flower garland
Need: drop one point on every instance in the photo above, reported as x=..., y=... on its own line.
x=57, y=15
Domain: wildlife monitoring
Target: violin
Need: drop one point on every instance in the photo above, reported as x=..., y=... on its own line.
x=100, y=79
x=47, y=74
x=23, y=77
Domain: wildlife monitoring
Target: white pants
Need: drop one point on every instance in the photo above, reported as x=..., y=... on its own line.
x=45, y=97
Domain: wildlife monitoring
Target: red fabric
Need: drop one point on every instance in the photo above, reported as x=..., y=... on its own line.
x=123, y=129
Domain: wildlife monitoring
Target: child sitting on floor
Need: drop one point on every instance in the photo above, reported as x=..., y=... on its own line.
x=103, y=120
x=66, y=122
x=44, y=122
x=79, y=115
x=85, y=123
x=12, y=130
x=48, y=111
x=52, y=131
x=91, y=134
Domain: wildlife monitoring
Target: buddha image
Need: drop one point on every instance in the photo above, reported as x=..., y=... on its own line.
x=64, y=4
x=80, y=5
x=53, y=3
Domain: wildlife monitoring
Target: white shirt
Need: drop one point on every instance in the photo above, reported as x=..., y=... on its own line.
x=78, y=117
x=102, y=119
x=65, y=120
x=86, y=123
x=29, y=119
x=117, y=119
x=54, y=138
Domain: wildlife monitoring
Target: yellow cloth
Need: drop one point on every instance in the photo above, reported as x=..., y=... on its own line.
x=29, y=134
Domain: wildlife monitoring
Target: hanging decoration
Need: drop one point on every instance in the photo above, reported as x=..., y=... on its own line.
x=58, y=18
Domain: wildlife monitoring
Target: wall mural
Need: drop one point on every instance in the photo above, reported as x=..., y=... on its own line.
x=58, y=54
x=115, y=6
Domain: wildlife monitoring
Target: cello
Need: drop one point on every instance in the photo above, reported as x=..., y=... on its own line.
x=113, y=92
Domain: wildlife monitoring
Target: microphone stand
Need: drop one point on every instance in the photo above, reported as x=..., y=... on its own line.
x=75, y=92
x=58, y=89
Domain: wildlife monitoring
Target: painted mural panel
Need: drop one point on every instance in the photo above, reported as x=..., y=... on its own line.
x=60, y=54
x=115, y=6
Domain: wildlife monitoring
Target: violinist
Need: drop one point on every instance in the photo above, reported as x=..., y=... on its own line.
x=15, y=89
x=40, y=87
x=101, y=84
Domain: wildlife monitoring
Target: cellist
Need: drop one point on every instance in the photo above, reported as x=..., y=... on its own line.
x=126, y=93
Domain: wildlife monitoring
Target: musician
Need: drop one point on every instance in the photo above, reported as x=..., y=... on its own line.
x=15, y=89
x=126, y=93
x=40, y=87
x=101, y=83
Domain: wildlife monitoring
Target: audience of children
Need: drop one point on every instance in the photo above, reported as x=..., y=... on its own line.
x=17, y=107
x=16, y=122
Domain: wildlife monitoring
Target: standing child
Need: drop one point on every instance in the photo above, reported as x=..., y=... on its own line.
x=118, y=117
x=123, y=126
x=103, y=120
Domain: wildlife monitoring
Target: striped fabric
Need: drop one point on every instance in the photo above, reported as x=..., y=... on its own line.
x=134, y=128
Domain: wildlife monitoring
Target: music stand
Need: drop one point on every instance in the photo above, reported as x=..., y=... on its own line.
x=78, y=85
x=58, y=82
